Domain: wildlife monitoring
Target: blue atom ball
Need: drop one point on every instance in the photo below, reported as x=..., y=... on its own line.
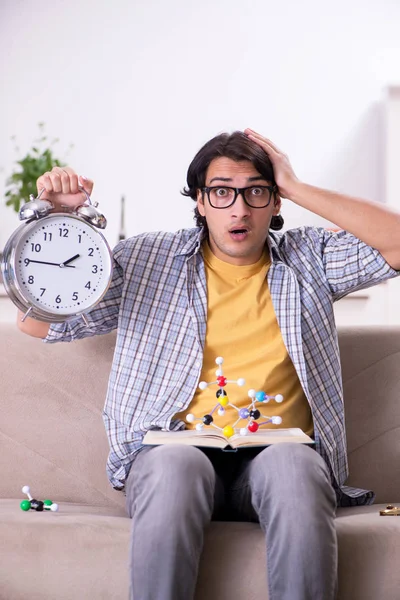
x=260, y=396
x=243, y=413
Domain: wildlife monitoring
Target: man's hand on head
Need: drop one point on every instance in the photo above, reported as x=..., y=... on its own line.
x=285, y=177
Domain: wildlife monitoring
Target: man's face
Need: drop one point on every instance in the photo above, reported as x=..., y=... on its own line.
x=243, y=248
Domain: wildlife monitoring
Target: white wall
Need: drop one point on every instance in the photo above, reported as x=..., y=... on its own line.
x=138, y=87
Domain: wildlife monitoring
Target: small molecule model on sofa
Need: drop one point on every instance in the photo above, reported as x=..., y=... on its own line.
x=251, y=413
x=37, y=505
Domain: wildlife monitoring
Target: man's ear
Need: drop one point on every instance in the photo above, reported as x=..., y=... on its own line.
x=277, y=204
x=200, y=203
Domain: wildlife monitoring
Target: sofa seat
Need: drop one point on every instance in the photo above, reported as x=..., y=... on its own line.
x=64, y=555
x=68, y=555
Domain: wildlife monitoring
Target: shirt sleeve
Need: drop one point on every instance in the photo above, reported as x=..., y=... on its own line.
x=349, y=264
x=103, y=317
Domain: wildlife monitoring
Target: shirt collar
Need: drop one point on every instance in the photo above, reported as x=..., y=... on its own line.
x=192, y=244
x=273, y=242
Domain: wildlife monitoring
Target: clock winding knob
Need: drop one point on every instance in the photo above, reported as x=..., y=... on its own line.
x=92, y=216
x=35, y=209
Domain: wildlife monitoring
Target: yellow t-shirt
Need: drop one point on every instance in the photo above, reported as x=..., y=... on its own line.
x=242, y=328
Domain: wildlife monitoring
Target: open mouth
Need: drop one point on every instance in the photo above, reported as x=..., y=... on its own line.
x=239, y=233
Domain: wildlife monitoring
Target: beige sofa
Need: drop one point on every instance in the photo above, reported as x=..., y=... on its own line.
x=52, y=439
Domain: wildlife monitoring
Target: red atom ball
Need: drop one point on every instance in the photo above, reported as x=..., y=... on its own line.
x=221, y=380
x=252, y=426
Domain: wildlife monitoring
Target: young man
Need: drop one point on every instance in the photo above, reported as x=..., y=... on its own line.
x=263, y=301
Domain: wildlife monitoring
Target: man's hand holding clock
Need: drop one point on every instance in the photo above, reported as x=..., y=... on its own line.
x=62, y=186
x=57, y=265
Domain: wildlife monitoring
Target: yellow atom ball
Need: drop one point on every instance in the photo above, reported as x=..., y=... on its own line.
x=223, y=400
x=228, y=431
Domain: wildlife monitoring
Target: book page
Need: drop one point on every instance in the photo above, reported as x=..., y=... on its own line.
x=213, y=438
x=186, y=436
x=265, y=437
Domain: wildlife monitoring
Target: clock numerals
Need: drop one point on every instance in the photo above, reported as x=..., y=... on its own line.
x=60, y=266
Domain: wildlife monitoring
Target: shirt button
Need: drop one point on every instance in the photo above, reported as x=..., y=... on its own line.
x=179, y=404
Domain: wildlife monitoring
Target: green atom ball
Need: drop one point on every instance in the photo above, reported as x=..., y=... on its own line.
x=47, y=502
x=25, y=505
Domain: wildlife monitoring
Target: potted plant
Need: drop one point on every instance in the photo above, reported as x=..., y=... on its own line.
x=38, y=160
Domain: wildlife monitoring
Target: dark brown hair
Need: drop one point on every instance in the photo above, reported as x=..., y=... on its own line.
x=236, y=146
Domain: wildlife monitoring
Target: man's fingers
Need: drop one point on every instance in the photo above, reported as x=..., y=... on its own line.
x=44, y=182
x=63, y=180
x=266, y=146
x=68, y=170
x=73, y=179
x=56, y=182
x=73, y=182
x=86, y=183
x=262, y=140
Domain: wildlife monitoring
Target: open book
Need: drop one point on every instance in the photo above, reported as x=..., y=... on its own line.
x=214, y=439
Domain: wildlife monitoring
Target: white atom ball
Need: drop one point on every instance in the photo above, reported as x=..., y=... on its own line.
x=190, y=418
x=241, y=382
x=54, y=507
x=199, y=426
x=276, y=420
x=219, y=360
x=203, y=385
x=221, y=412
x=243, y=431
x=279, y=398
x=25, y=489
x=251, y=393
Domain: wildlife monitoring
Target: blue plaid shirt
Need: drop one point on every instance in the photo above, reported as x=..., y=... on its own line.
x=158, y=303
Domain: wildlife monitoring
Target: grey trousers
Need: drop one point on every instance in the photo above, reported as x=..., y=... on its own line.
x=173, y=492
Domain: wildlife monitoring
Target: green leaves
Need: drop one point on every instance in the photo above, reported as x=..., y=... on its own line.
x=22, y=182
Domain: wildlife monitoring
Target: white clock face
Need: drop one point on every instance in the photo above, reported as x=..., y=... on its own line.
x=62, y=265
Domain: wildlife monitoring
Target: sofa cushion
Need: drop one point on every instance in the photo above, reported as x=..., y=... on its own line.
x=52, y=436
x=82, y=552
x=368, y=554
x=371, y=383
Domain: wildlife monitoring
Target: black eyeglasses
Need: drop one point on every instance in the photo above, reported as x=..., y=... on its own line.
x=255, y=196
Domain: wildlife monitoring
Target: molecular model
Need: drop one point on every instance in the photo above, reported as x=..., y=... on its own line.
x=251, y=414
x=37, y=505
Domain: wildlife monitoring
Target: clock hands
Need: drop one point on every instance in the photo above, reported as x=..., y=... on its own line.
x=66, y=262
x=62, y=265
x=43, y=262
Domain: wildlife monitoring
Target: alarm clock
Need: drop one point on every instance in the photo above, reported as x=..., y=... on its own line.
x=57, y=265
